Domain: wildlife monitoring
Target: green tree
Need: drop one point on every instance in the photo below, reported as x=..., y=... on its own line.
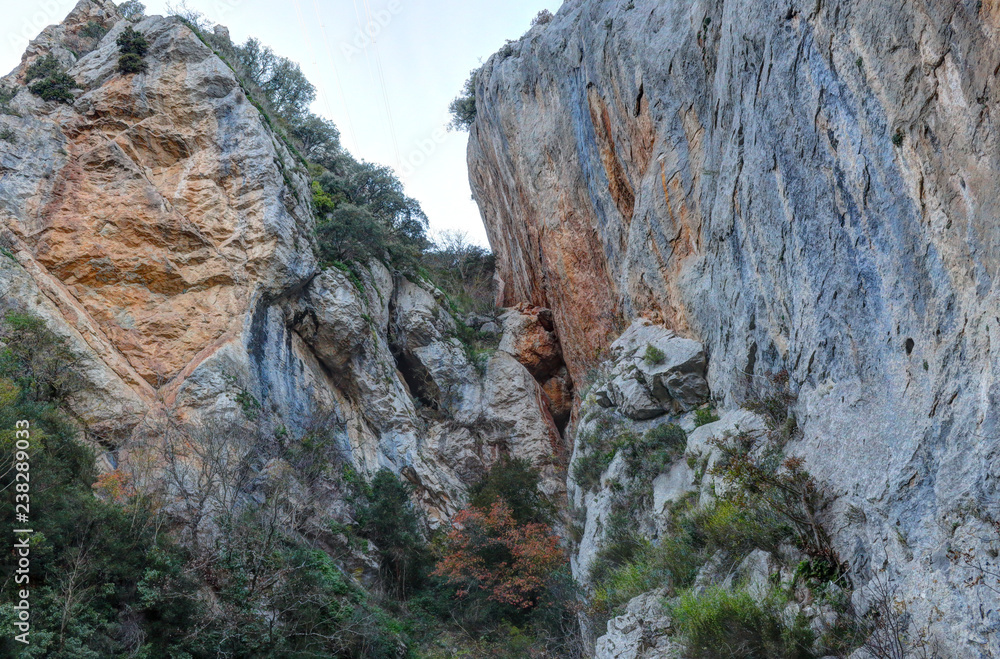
x=386, y=515
x=463, y=108
x=515, y=482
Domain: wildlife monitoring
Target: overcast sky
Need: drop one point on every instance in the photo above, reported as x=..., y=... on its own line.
x=388, y=95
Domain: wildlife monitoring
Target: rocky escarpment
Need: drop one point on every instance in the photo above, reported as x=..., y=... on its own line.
x=796, y=185
x=163, y=227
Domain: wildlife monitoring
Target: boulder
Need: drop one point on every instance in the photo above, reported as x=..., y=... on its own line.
x=642, y=632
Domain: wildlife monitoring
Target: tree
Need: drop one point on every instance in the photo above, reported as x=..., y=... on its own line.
x=319, y=139
x=463, y=108
x=132, y=46
x=385, y=514
x=132, y=10
x=515, y=482
x=282, y=82
x=488, y=550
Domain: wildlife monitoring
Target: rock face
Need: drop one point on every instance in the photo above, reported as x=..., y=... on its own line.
x=640, y=633
x=654, y=372
x=794, y=185
x=161, y=226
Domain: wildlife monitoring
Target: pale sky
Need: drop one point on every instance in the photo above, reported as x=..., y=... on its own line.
x=391, y=114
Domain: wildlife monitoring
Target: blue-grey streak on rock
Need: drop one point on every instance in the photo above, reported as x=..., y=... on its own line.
x=820, y=196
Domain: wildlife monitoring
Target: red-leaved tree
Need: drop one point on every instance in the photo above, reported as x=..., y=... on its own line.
x=490, y=551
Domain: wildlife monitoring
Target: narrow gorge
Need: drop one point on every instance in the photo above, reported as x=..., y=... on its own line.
x=736, y=395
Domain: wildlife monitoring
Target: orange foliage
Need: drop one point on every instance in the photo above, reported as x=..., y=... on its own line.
x=488, y=549
x=115, y=485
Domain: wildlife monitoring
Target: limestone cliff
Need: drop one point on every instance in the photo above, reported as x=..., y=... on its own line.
x=162, y=226
x=808, y=186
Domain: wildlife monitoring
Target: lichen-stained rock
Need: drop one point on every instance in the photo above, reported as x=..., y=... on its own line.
x=799, y=186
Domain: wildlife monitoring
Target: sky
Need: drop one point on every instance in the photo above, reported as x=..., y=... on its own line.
x=385, y=72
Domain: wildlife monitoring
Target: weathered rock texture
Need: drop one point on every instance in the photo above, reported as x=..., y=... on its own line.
x=161, y=225
x=798, y=185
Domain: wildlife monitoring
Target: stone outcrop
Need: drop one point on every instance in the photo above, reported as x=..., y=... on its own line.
x=653, y=371
x=529, y=335
x=160, y=224
x=798, y=186
x=642, y=632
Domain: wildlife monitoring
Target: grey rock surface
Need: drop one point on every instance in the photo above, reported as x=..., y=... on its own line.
x=795, y=185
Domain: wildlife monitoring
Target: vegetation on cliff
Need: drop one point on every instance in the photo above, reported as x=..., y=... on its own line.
x=202, y=567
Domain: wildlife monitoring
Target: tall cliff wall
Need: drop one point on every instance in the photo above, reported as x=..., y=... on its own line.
x=807, y=186
x=161, y=224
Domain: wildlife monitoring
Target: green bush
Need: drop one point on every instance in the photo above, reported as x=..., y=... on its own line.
x=621, y=544
x=704, y=416
x=132, y=46
x=463, y=108
x=588, y=468
x=51, y=82
x=7, y=95
x=652, y=455
x=7, y=134
x=57, y=87
x=673, y=562
x=514, y=481
x=653, y=355
x=386, y=515
x=131, y=63
x=724, y=624
x=741, y=529
x=42, y=67
x=93, y=30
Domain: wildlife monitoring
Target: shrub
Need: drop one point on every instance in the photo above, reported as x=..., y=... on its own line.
x=724, y=624
x=132, y=46
x=704, y=416
x=7, y=134
x=650, y=456
x=653, y=355
x=386, y=515
x=7, y=95
x=740, y=529
x=131, y=63
x=131, y=41
x=51, y=82
x=515, y=482
x=673, y=563
x=588, y=468
x=463, y=108
x=464, y=271
x=42, y=67
x=54, y=88
x=132, y=10
x=487, y=550
x=93, y=30
x=543, y=17
x=766, y=485
x=897, y=138
x=619, y=546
